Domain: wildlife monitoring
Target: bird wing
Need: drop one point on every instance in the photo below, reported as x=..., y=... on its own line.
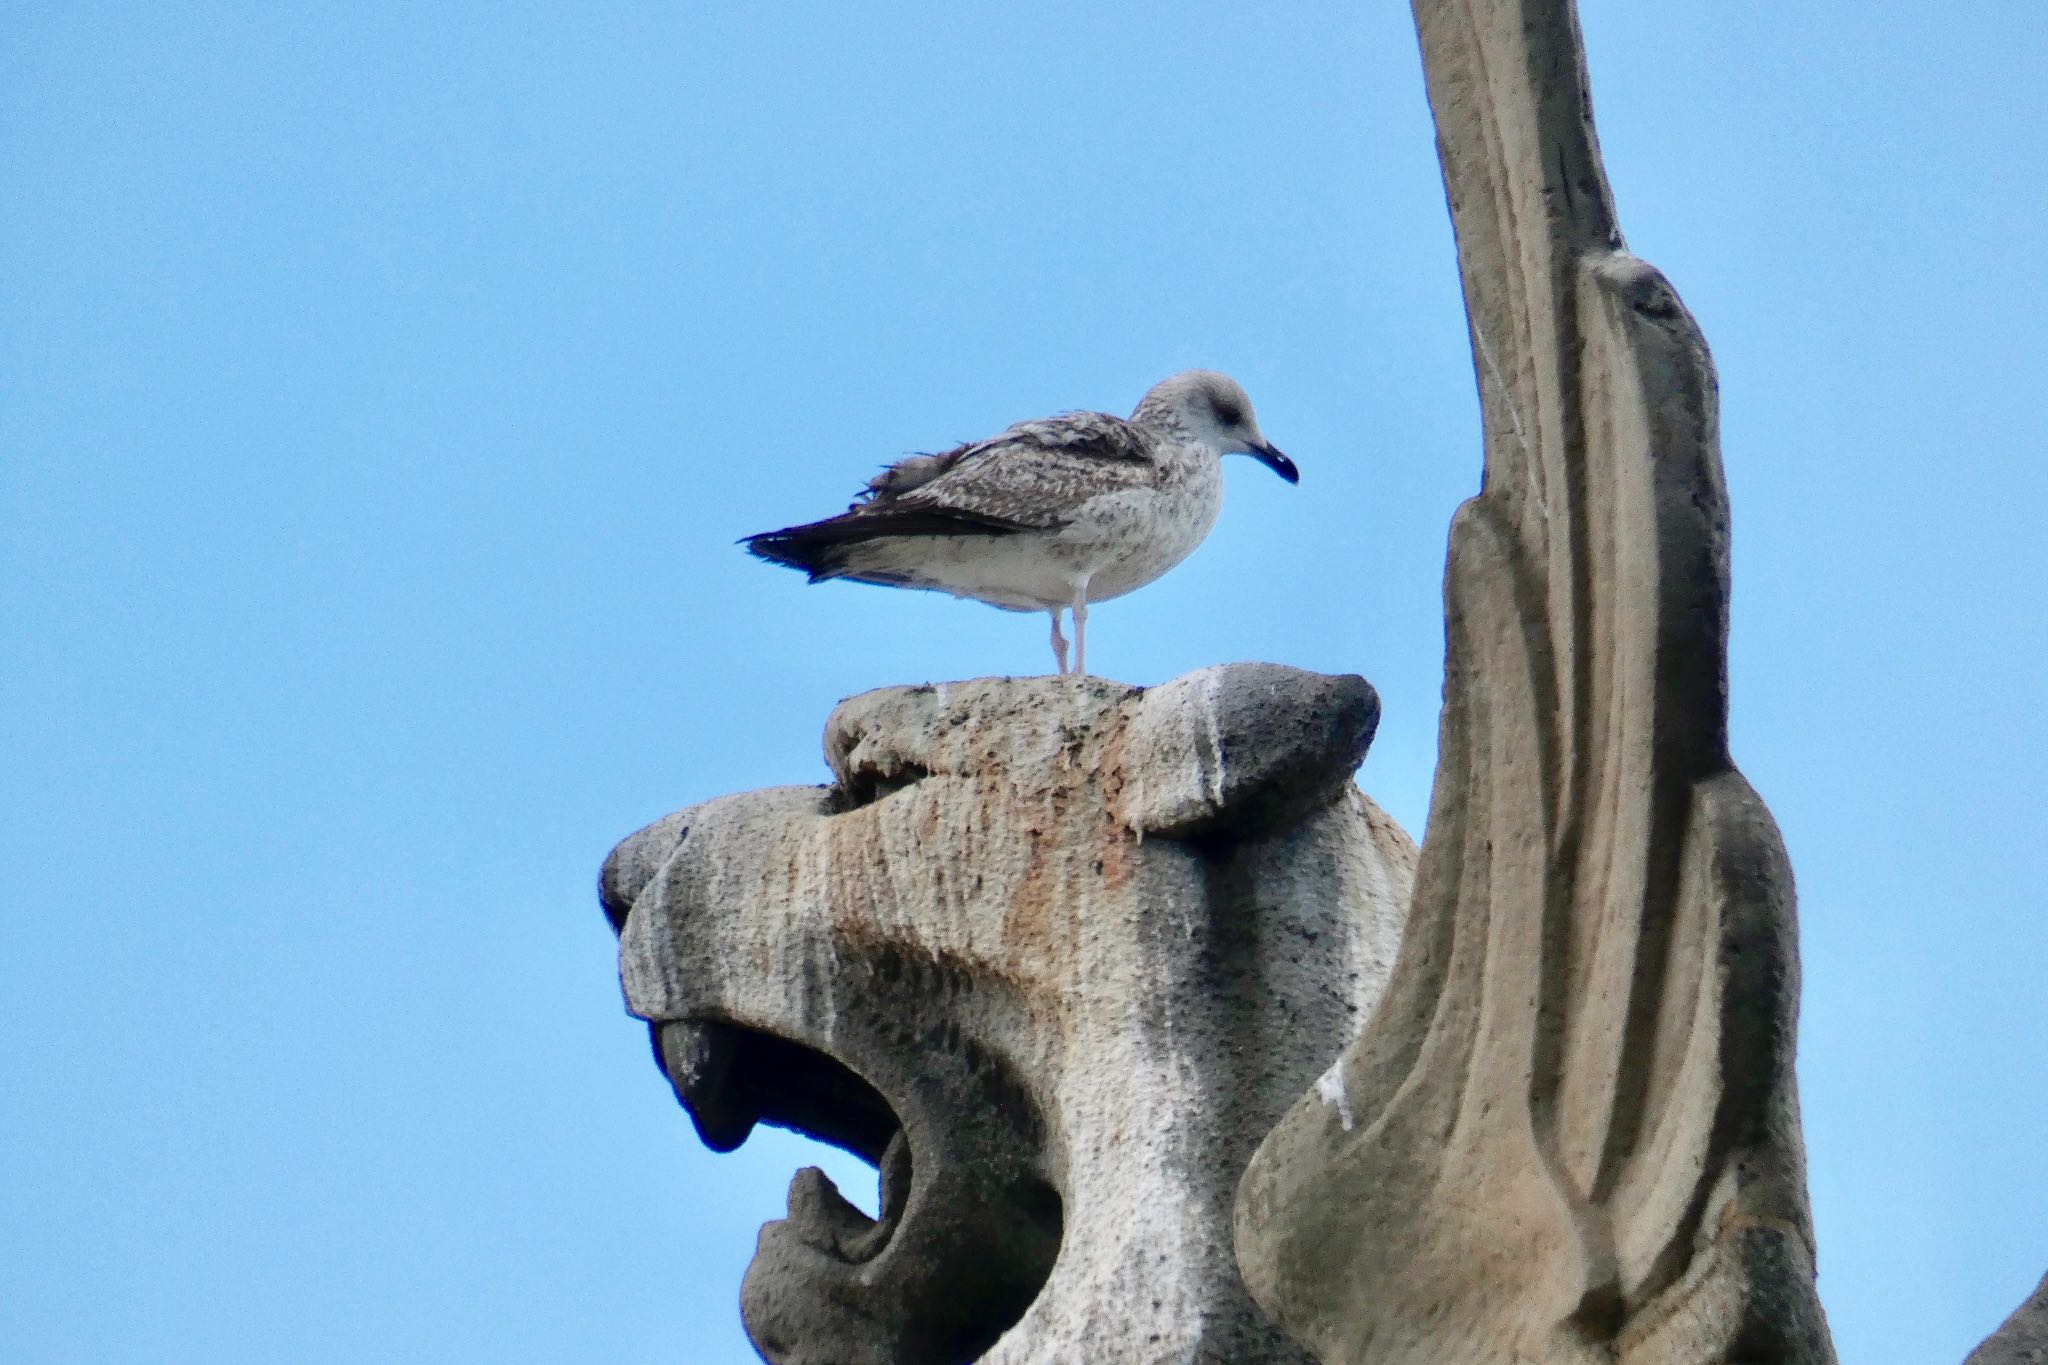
x=1029, y=478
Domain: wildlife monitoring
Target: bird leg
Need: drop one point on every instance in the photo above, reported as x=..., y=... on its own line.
x=1081, y=629
x=1059, y=641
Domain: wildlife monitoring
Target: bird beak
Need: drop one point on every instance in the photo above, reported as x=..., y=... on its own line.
x=1275, y=461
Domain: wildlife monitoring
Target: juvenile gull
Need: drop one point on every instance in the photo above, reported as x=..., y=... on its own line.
x=1050, y=515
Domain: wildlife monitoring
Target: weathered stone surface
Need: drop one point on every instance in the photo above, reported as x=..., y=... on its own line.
x=1055, y=953
x=1570, y=1132
x=1255, y=755
x=2023, y=1339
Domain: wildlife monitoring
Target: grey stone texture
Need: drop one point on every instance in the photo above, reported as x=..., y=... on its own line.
x=2023, y=1339
x=1575, y=1134
x=1055, y=953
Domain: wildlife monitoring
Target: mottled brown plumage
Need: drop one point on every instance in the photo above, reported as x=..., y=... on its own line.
x=1050, y=514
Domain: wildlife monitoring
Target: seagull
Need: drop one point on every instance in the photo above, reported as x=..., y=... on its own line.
x=1051, y=514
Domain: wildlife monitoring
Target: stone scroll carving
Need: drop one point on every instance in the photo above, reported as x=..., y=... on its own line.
x=1570, y=1133
x=1054, y=954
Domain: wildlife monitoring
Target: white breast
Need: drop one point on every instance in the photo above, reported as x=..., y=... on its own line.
x=1133, y=536
x=1112, y=542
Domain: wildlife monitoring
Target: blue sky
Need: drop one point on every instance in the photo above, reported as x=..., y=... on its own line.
x=382, y=388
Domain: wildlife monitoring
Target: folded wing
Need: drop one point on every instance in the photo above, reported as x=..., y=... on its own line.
x=1029, y=478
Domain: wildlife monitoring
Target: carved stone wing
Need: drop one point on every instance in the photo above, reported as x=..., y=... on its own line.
x=1570, y=1132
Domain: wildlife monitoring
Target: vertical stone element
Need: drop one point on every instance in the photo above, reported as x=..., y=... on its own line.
x=1570, y=1132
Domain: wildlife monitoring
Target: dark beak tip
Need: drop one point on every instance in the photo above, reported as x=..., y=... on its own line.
x=1278, y=463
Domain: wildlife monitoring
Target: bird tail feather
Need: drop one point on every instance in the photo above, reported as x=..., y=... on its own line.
x=822, y=549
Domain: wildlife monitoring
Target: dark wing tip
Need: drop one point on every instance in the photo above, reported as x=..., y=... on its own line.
x=823, y=549
x=793, y=548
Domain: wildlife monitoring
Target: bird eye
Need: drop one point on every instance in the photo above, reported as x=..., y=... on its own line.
x=1229, y=411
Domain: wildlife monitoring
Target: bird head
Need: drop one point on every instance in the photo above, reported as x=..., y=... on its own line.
x=1213, y=409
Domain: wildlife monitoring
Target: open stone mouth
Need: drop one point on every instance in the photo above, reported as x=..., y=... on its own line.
x=730, y=1078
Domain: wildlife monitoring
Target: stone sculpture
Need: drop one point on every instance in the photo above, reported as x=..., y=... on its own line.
x=1576, y=1136
x=1054, y=953
x=1057, y=954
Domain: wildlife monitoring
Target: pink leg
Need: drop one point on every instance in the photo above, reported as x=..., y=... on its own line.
x=1059, y=642
x=1081, y=629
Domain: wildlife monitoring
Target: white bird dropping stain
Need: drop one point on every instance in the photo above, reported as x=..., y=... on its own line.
x=1331, y=1088
x=1211, y=685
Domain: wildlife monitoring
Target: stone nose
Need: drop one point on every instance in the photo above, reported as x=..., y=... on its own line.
x=1243, y=749
x=632, y=865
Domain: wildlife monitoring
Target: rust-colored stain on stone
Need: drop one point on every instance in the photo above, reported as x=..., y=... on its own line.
x=972, y=923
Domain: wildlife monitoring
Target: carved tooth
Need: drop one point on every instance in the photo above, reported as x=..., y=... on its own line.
x=821, y=1215
x=698, y=1057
